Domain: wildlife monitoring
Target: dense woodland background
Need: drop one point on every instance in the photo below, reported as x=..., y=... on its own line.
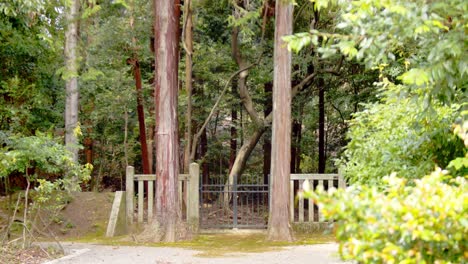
x=226, y=37
x=378, y=88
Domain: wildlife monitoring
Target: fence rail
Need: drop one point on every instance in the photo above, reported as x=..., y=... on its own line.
x=187, y=189
x=305, y=211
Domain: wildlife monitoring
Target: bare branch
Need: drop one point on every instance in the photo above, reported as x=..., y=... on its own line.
x=213, y=110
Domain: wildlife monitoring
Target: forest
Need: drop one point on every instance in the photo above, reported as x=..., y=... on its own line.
x=248, y=89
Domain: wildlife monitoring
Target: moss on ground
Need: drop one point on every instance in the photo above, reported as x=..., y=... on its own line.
x=217, y=245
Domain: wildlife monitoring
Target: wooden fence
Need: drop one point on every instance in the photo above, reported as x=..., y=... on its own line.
x=187, y=189
x=304, y=210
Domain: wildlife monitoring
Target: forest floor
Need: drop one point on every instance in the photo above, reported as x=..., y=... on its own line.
x=80, y=225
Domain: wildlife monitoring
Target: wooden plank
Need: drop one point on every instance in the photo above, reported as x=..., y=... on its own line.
x=184, y=177
x=301, y=204
x=320, y=183
x=315, y=176
x=193, y=198
x=129, y=190
x=311, y=203
x=140, y=201
x=150, y=201
x=341, y=181
x=152, y=177
x=145, y=177
x=291, y=201
x=179, y=190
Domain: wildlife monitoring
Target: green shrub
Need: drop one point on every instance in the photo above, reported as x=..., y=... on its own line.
x=400, y=135
x=424, y=222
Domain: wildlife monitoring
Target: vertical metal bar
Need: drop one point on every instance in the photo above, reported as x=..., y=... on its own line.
x=150, y=201
x=140, y=201
x=234, y=201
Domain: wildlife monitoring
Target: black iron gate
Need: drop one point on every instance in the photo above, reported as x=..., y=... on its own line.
x=242, y=204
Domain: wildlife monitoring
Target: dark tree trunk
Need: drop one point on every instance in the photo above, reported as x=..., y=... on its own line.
x=267, y=108
x=167, y=213
x=295, y=146
x=203, y=150
x=279, y=227
x=141, y=116
x=322, y=156
x=233, y=143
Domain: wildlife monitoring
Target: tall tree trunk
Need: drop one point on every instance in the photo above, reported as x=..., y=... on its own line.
x=242, y=156
x=167, y=213
x=203, y=151
x=295, y=147
x=140, y=111
x=268, y=107
x=141, y=117
x=71, y=79
x=322, y=158
x=233, y=143
x=279, y=227
x=188, y=46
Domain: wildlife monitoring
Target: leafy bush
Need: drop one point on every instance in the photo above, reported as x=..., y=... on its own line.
x=421, y=223
x=400, y=134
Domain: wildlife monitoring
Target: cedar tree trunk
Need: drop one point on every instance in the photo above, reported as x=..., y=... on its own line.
x=71, y=80
x=167, y=213
x=279, y=227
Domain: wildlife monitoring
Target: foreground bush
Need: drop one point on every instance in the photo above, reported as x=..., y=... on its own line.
x=421, y=223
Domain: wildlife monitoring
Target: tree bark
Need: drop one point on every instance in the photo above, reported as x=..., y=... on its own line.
x=141, y=116
x=188, y=46
x=268, y=107
x=233, y=142
x=203, y=151
x=167, y=213
x=71, y=79
x=279, y=227
x=321, y=143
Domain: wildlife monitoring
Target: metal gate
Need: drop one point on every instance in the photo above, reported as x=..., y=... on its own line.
x=242, y=204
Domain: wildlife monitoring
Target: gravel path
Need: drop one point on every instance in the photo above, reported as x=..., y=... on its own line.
x=93, y=254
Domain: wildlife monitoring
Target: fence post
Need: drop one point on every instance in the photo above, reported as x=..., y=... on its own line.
x=129, y=188
x=341, y=181
x=193, y=199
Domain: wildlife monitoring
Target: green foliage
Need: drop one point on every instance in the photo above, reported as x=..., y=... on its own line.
x=400, y=135
x=428, y=36
x=41, y=155
x=405, y=223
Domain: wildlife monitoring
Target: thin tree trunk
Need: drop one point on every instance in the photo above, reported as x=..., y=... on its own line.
x=268, y=107
x=295, y=148
x=203, y=150
x=279, y=227
x=188, y=46
x=71, y=80
x=167, y=213
x=233, y=143
x=322, y=159
x=141, y=117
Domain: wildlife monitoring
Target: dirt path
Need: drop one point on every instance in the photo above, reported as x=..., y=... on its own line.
x=92, y=254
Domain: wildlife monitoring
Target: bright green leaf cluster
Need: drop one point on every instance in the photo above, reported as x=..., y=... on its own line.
x=400, y=134
x=40, y=154
x=420, y=223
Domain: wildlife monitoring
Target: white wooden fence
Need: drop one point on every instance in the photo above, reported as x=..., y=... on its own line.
x=188, y=191
x=304, y=210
